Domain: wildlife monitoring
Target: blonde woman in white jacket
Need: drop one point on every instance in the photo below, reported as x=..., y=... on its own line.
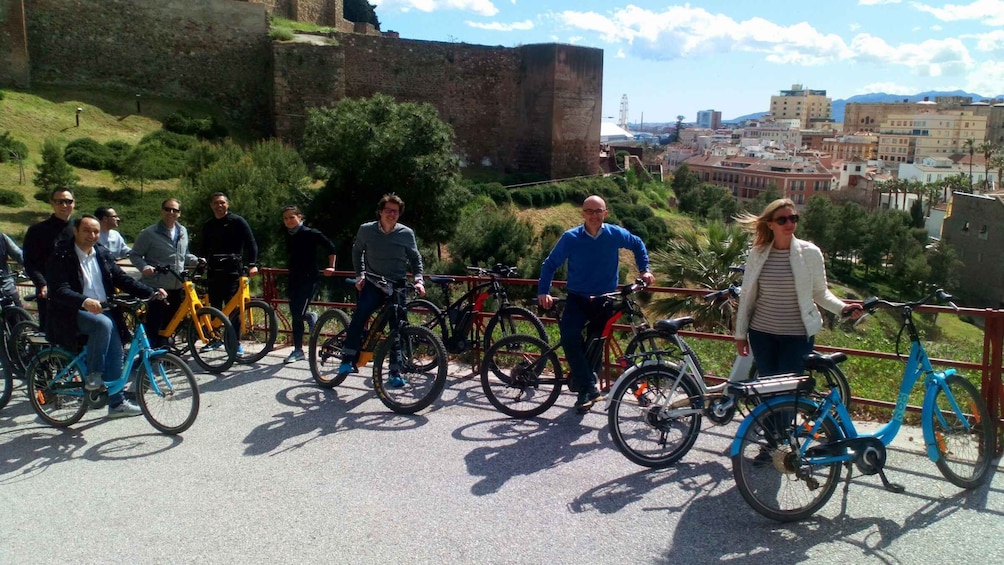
x=784, y=281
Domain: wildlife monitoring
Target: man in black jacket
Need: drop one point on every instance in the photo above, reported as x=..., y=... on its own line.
x=41, y=238
x=81, y=275
x=226, y=234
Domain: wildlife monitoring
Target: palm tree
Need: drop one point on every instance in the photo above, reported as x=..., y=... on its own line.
x=695, y=260
x=997, y=162
x=988, y=148
x=970, y=146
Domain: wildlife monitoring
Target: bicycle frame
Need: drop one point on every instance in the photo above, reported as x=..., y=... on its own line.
x=374, y=329
x=189, y=308
x=238, y=302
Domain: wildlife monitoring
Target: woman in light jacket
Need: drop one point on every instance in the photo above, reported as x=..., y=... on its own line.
x=784, y=281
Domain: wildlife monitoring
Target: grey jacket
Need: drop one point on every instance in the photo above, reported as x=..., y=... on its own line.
x=155, y=247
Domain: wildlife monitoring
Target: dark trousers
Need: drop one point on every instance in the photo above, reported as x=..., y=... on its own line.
x=159, y=314
x=300, y=292
x=370, y=299
x=779, y=354
x=222, y=287
x=591, y=315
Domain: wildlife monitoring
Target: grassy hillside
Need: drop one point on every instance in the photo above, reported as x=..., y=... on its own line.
x=32, y=117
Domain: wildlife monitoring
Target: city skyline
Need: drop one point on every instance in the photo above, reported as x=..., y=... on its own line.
x=677, y=59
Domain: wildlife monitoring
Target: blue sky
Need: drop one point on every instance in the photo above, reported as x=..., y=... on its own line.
x=731, y=55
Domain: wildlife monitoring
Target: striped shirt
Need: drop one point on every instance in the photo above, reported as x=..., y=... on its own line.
x=776, y=308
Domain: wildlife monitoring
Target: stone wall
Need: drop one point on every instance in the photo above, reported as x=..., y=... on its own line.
x=321, y=12
x=14, y=67
x=529, y=109
x=216, y=51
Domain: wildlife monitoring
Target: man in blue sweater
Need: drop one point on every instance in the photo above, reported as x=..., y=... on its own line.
x=592, y=253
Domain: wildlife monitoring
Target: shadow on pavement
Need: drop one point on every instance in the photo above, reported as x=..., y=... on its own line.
x=31, y=453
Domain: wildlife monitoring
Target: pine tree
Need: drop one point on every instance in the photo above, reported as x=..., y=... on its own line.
x=54, y=172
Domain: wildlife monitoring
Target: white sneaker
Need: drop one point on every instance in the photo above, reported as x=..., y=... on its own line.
x=124, y=410
x=94, y=381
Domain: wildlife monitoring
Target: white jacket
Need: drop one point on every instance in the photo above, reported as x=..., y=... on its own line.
x=810, y=286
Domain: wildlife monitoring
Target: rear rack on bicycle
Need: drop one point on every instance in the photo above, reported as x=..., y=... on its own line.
x=773, y=385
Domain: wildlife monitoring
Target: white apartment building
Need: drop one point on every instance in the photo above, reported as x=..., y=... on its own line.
x=809, y=107
x=906, y=138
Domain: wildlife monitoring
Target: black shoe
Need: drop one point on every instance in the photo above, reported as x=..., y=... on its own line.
x=587, y=400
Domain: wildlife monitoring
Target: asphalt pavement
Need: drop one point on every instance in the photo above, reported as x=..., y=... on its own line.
x=276, y=470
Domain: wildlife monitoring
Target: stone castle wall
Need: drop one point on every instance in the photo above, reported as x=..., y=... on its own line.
x=216, y=51
x=530, y=109
x=14, y=67
x=534, y=108
x=321, y=12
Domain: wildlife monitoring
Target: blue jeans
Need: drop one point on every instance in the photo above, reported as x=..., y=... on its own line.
x=104, y=348
x=300, y=292
x=370, y=299
x=591, y=315
x=779, y=354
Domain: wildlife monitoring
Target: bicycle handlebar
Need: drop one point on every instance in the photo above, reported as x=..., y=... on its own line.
x=499, y=270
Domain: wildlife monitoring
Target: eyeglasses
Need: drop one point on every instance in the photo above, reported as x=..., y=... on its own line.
x=391, y=211
x=782, y=220
x=172, y=210
x=592, y=211
x=63, y=201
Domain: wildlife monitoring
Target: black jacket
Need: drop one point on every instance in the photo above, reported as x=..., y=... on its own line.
x=66, y=287
x=39, y=241
x=230, y=234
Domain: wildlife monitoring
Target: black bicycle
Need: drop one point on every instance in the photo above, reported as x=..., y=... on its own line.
x=463, y=323
x=409, y=364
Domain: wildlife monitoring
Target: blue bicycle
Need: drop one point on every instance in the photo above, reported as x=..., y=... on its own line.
x=166, y=389
x=787, y=453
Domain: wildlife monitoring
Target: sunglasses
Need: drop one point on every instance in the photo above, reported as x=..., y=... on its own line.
x=63, y=201
x=782, y=220
x=172, y=210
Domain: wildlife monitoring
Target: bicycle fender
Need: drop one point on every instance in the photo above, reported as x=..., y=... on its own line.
x=767, y=403
x=627, y=375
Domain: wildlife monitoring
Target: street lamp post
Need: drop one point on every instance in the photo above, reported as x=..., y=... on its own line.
x=138, y=111
x=79, y=110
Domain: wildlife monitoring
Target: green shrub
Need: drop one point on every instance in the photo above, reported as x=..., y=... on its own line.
x=281, y=34
x=11, y=198
x=10, y=146
x=494, y=190
x=522, y=197
x=87, y=153
x=205, y=128
x=170, y=140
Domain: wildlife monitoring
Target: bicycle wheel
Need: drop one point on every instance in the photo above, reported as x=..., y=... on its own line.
x=655, y=416
x=217, y=351
x=521, y=376
x=23, y=349
x=422, y=312
x=169, y=396
x=652, y=344
x=325, y=353
x=770, y=473
x=6, y=382
x=417, y=386
x=12, y=316
x=512, y=320
x=965, y=445
x=258, y=332
x=56, y=387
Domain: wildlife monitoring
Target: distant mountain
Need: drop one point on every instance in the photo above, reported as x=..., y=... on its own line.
x=878, y=97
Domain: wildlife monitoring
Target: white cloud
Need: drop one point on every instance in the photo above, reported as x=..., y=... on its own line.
x=987, y=79
x=992, y=42
x=877, y=2
x=498, y=26
x=685, y=31
x=575, y=39
x=936, y=27
x=480, y=7
x=988, y=12
x=620, y=54
x=855, y=26
x=887, y=87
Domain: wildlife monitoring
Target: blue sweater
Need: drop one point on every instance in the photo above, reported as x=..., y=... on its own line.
x=592, y=261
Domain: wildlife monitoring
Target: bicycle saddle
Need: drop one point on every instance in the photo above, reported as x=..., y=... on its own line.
x=674, y=325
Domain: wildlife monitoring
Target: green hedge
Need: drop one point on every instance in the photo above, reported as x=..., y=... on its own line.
x=11, y=198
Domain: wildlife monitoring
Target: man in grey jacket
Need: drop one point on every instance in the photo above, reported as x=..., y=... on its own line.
x=164, y=244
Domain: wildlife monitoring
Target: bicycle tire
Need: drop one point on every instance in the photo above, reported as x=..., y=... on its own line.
x=652, y=342
x=960, y=449
x=325, y=350
x=773, y=479
x=512, y=320
x=6, y=382
x=59, y=409
x=422, y=386
x=219, y=351
x=257, y=339
x=521, y=376
x=641, y=420
x=173, y=405
x=422, y=312
x=23, y=350
x=12, y=316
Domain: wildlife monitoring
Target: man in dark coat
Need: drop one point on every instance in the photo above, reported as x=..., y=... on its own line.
x=41, y=239
x=80, y=276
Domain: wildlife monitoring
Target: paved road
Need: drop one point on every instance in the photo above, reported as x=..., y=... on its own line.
x=276, y=470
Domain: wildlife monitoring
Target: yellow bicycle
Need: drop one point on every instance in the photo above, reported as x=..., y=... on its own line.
x=203, y=330
x=255, y=321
